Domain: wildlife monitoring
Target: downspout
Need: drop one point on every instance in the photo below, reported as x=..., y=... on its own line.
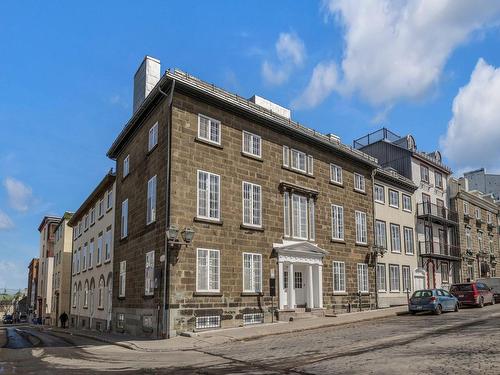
x=166, y=268
x=374, y=234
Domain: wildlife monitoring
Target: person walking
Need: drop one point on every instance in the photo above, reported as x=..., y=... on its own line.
x=63, y=318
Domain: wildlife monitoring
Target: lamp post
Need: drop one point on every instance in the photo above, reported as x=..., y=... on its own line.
x=377, y=251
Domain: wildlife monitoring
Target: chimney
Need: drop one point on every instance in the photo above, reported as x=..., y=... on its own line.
x=333, y=138
x=270, y=106
x=145, y=79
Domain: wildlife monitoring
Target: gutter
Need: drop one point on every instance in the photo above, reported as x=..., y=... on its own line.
x=374, y=236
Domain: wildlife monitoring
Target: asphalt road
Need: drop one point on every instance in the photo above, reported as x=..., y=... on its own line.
x=467, y=342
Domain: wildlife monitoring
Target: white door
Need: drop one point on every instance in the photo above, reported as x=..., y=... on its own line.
x=419, y=279
x=300, y=286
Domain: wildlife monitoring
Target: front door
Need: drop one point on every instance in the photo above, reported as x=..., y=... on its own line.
x=300, y=287
x=428, y=239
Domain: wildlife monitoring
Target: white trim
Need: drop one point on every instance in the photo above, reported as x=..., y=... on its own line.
x=151, y=194
x=299, y=153
x=391, y=225
x=362, y=181
x=251, y=202
x=252, y=270
x=390, y=203
x=126, y=166
x=363, y=228
x=375, y=186
x=295, y=235
x=403, y=196
x=208, y=217
x=124, y=220
x=340, y=281
x=251, y=144
x=339, y=168
x=341, y=226
x=208, y=290
x=210, y=121
x=153, y=136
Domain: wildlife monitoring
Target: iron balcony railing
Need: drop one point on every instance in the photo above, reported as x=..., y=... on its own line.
x=434, y=211
x=439, y=249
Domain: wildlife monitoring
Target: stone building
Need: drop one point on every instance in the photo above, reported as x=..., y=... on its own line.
x=282, y=215
x=61, y=276
x=92, y=276
x=32, y=289
x=478, y=230
x=487, y=183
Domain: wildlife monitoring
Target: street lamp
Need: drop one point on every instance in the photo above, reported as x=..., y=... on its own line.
x=377, y=251
x=187, y=235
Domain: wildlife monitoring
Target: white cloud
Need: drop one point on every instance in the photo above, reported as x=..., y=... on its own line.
x=322, y=83
x=396, y=50
x=20, y=195
x=12, y=275
x=291, y=52
x=473, y=132
x=5, y=221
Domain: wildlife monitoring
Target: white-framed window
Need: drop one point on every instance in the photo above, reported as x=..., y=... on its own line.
x=99, y=249
x=120, y=321
x=86, y=295
x=298, y=160
x=363, y=278
x=490, y=219
x=380, y=234
x=252, y=144
x=466, y=208
x=359, y=182
x=312, y=221
x=408, y=239
x=253, y=318
x=310, y=165
x=107, y=245
x=80, y=228
x=151, y=203
x=286, y=213
x=286, y=156
x=395, y=238
x=445, y=272
x=406, y=278
x=124, y=219
x=208, y=195
x=406, y=203
x=109, y=199
x=209, y=129
x=91, y=254
x=84, y=258
x=205, y=322
x=92, y=216
x=394, y=277
x=393, y=198
x=468, y=239
x=478, y=213
x=149, y=274
x=122, y=279
x=299, y=216
x=78, y=260
x=480, y=240
x=207, y=270
x=424, y=173
x=126, y=166
x=86, y=221
x=438, y=179
x=252, y=204
x=100, y=300
x=75, y=295
x=338, y=277
x=153, y=137
x=337, y=222
x=379, y=194
x=252, y=273
x=336, y=174
x=361, y=231
x=381, y=278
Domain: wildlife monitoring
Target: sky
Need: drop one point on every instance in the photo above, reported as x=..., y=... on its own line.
x=429, y=68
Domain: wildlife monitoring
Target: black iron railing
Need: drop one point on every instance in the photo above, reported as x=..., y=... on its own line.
x=439, y=249
x=434, y=210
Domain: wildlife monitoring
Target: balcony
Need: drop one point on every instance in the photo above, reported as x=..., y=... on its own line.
x=436, y=214
x=439, y=250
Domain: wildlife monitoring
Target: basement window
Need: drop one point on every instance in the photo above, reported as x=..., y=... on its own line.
x=205, y=322
x=255, y=318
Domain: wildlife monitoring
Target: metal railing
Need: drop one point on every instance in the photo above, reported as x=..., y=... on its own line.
x=379, y=135
x=439, y=248
x=434, y=210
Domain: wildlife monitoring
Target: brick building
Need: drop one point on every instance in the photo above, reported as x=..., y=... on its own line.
x=270, y=201
x=32, y=288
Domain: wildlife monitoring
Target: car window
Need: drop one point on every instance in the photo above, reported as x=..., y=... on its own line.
x=446, y=294
x=463, y=287
x=422, y=293
x=481, y=286
x=439, y=292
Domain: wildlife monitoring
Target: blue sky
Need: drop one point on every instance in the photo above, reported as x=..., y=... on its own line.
x=66, y=83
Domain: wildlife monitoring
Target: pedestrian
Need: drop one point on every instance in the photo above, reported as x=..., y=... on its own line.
x=63, y=318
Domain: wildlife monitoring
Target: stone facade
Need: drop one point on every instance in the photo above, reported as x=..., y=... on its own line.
x=32, y=288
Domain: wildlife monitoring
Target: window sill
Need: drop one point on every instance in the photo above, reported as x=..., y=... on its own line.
x=410, y=254
x=333, y=240
x=393, y=206
x=92, y=224
x=363, y=192
x=207, y=294
x=409, y=211
x=250, y=227
x=337, y=184
x=395, y=291
x=100, y=308
x=207, y=221
x=297, y=171
x=148, y=296
x=361, y=244
x=121, y=297
x=382, y=291
x=209, y=143
x=98, y=265
x=380, y=202
x=109, y=209
x=253, y=157
x=364, y=293
x=124, y=239
x=107, y=261
x=340, y=294
x=124, y=177
x=252, y=294
x=396, y=252
x=150, y=151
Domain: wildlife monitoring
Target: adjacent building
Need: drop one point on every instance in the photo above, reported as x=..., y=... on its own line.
x=436, y=225
x=397, y=271
x=281, y=215
x=61, y=276
x=478, y=230
x=92, y=266
x=32, y=289
x=486, y=183
x=47, y=230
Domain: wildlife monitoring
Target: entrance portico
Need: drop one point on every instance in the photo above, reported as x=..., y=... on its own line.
x=300, y=275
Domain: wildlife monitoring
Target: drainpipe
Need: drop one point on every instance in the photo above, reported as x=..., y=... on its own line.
x=166, y=268
x=374, y=252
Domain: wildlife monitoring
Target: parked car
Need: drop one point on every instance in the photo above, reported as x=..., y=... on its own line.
x=7, y=319
x=23, y=318
x=434, y=300
x=494, y=284
x=473, y=294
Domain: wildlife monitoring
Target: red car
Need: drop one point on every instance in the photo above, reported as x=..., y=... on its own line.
x=474, y=294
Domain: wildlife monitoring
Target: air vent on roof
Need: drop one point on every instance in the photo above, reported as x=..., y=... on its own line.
x=333, y=137
x=270, y=106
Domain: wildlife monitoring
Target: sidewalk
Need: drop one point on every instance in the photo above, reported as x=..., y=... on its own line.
x=221, y=336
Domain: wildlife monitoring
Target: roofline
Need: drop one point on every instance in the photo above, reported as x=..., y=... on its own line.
x=478, y=201
x=48, y=218
x=108, y=180
x=66, y=216
x=396, y=179
x=443, y=168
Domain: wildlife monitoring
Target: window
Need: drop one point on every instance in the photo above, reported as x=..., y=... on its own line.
x=100, y=300
x=492, y=247
x=438, y=180
x=123, y=274
x=336, y=174
x=395, y=238
x=393, y=198
x=480, y=241
x=286, y=213
x=478, y=213
x=298, y=161
x=100, y=208
x=286, y=156
x=406, y=203
x=466, y=208
x=337, y=222
x=361, y=233
x=408, y=238
x=424, y=173
x=253, y=318
x=107, y=245
x=78, y=260
x=470, y=272
x=285, y=279
x=445, y=272
x=394, y=277
x=339, y=277
x=153, y=137
x=86, y=295
x=379, y=194
x=74, y=295
x=99, y=249
x=86, y=222
x=149, y=276
x=109, y=200
x=252, y=273
x=151, y=204
x=381, y=278
x=124, y=219
x=299, y=216
x=363, y=278
x=91, y=254
x=490, y=220
x=252, y=204
x=84, y=258
x=380, y=234
x=209, y=129
x=204, y=322
x=468, y=239
x=252, y=144
x=120, y=321
x=359, y=182
x=208, y=195
x=207, y=272
x=126, y=166
x=406, y=278
x=92, y=216
x=310, y=165
x=312, y=226
x=297, y=280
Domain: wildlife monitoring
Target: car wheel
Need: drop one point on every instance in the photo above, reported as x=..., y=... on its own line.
x=456, y=307
x=439, y=310
x=413, y=312
x=481, y=303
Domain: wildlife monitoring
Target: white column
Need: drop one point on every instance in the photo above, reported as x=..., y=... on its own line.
x=281, y=282
x=310, y=290
x=291, y=287
x=320, y=286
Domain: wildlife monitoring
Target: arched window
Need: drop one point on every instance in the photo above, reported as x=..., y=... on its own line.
x=101, y=293
x=74, y=294
x=86, y=294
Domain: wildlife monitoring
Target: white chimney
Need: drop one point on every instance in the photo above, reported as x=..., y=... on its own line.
x=270, y=106
x=145, y=79
x=333, y=138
